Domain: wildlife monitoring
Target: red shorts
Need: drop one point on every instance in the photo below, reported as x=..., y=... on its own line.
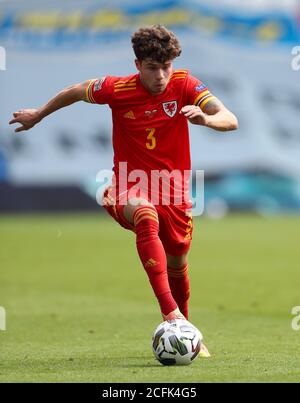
x=175, y=222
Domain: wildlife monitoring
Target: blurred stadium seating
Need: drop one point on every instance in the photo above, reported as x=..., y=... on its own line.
x=241, y=50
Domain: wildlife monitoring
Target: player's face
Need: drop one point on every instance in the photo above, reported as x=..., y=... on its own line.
x=154, y=76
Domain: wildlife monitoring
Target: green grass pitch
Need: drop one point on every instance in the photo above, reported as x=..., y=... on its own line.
x=79, y=307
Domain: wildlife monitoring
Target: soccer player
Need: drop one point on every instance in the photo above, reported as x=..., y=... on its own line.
x=150, y=112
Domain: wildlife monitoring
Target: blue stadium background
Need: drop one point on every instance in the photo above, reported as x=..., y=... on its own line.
x=244, y=51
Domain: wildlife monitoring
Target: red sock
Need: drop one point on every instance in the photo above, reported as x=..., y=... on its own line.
x=180, y=287
x=153, y=256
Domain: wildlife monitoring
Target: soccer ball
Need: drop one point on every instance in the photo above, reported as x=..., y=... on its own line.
x=176, y=342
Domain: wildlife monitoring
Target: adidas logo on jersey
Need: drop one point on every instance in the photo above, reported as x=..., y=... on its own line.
x=129, y=115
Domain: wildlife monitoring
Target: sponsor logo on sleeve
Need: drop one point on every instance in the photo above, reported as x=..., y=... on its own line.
x=98, y=84
x=200, y=87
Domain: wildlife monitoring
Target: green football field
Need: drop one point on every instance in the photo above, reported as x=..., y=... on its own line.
x=79, y=307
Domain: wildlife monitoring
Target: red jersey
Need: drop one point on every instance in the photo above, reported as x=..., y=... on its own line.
x=149, y=133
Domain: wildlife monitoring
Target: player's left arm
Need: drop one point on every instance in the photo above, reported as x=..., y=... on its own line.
x=214, y=115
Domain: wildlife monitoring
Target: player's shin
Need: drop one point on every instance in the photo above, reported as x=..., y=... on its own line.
x=152, y=255
x=180, y=287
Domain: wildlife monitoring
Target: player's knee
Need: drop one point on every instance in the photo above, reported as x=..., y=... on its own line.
x=146, y=222
x=177, y=262
x=132, y=205
x=145, y=213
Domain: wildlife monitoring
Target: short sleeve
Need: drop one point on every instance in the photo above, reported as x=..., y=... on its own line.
x=197, y=92
x=100, y=91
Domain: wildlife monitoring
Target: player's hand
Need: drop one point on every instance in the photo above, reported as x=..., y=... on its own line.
x=195, y=115
x=27, y=119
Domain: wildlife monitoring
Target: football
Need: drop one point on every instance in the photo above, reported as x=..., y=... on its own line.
x=176, y=342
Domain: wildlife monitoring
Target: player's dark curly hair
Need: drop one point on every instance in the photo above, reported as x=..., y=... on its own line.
x=155, y=42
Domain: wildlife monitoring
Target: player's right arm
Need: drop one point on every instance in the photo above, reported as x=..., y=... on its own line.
x=28, y=118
